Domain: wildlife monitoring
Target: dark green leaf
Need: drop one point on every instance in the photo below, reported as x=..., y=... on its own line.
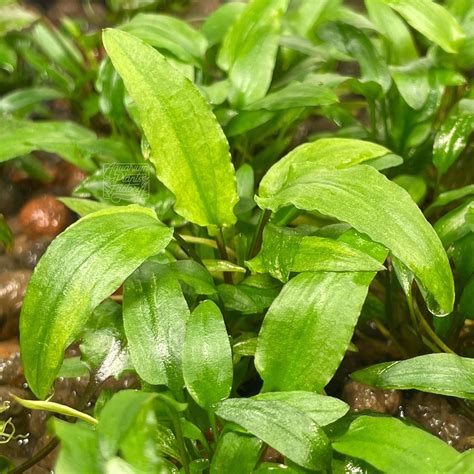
x=393, y=447
x=189, y=149
x=446, y=374
x=80, y=269
x=454, y=225
x=154, y=315
x=207, y=357
x=466, y=303
x=285, y=428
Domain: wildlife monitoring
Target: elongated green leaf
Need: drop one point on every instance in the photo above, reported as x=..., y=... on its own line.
x=237, y=453
x=249, y=50
x=168, y=33
x=80, y=269
x=401, y=48
x=285, y=250
x=454, y=225
x=207, y=357
x=464, y=463
x=189, y=149
x=218, y=23
x=118, y=417
x=21, y=98
x=466, y=303
x=462, y=252
x=372, y=204
x=451, y=140
x=431, y=20
x=327, y=152
x=285, y=428
x=83, y=206
x=154, y=316
x=322, y=409
x=306, y=14
x=307, y=330
x=71, y=141
x=446, y=374
x=78, y=447
x=450, y=196
x=393, y=447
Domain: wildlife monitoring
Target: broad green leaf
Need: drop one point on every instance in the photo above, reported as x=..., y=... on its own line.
x=82, y=267
x=393, y=447
x=464, y=463
x=66, y=139
x=401, y=48
x=78, y=447
x=168, y=33
x=15, y=17
x=322, y=409
x=454, y=225
x=375, y=206
x=236, y=453
x=218, y=23
x=189, y=149
x=285, y=250
x=446, y=374
x=83, y=206
x=21, y=98
x=450, y=196
x=285, y=428
x=249, y=50
x=154, y=315
x=309, y=326
x=6, y=236
x=451, y=140
x=431, y=20
x=118, y=417
x=326, y=152
x=207, y=357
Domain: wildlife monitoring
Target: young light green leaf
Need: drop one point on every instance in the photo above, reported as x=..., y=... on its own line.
x=15, y=17
x=432, y=20
x=21, y=98
x=454, y=225
x=285, y=250
x=154, y=316
x=446, y=374
x=83, y=266
x=218, y=23
x=249, y=50
x=322, y=409
x=237, y=453
x=393, y=447
x=168, y=33
x=207, y=356
x=189, y=149
x=83, y=206
x=326, y=152
x=284, y=427
x=375, y=206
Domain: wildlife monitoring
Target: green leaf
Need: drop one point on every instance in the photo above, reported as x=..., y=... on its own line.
x=168, y=33
x=249, y=50
x=393, y=447
x=83, y=206
x=217, y=24
x=415, y=185
x=451, y=140
x=78, y=447
x=21, y=98
x=454, y=225
x=207, y=357
x=285, y=250
x=326, y=152
x=375, y=206
x=464, y=463
x=236, y=453
x=15, y=17
x=431, y=20
x=189, y=149
x=154, y=315
x=401, y=48
x=82, y=267
x=118, y=417
x=6, y=236
x=312, y=319
x=446, y=374
x=285, y=428
x=450, y=196
x=322, y=409
x=466, y=303
x=462, y=253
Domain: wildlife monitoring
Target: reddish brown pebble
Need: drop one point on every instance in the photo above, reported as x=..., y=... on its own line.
x=44, y=215
x=362, y=397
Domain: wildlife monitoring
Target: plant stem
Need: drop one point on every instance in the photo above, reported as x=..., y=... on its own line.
x=187, y=248
x=206, y=242
x=212, y=420
x=36, y=458
x=257, y=238
x=223, y=253
x=180, y=439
